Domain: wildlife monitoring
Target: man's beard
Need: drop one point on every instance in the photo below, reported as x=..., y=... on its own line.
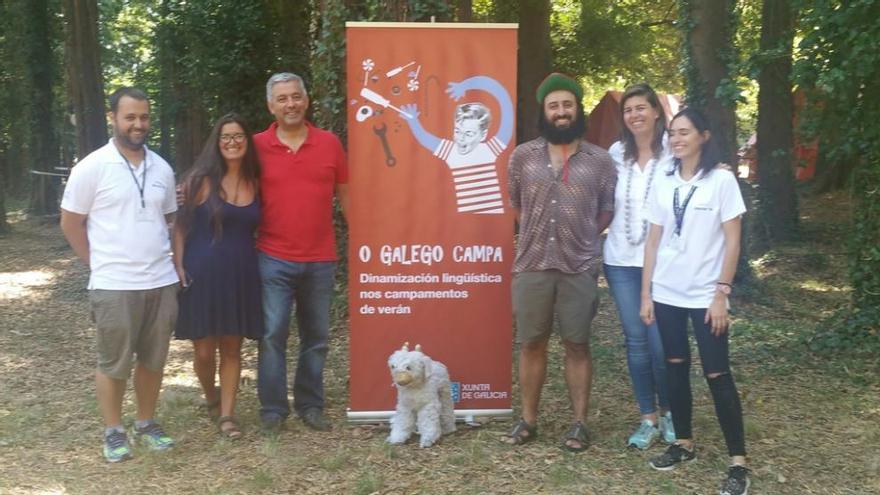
x=125, y=140
x=555, y=135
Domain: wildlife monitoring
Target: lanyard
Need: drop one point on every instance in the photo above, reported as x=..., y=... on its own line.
x=143, y=184
x=679, y=210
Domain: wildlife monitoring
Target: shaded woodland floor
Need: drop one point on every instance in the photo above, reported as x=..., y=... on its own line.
x=811, y=421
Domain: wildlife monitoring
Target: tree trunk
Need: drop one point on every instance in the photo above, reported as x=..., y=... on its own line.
x=778, y=201
x=41, y=72
x=709, y=44
x=86, y=83
x=534, y=63
x=189, y=128
x=4, y=226
x=167, y=75
x=464, y=10
x=712, y=35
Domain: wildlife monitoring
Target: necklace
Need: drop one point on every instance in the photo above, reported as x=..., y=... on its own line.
x=627, y=206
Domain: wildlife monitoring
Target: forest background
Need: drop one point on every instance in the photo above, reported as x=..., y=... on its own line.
x=739, y=60
x=806, y=331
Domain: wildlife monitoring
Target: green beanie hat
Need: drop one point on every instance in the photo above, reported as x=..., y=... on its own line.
x=555, y=82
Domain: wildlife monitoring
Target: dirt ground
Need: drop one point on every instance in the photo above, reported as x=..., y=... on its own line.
x=811, y=421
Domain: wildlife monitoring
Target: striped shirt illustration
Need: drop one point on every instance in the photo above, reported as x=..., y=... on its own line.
x=474, y=175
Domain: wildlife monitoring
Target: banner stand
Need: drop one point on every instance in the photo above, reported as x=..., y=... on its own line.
x=431, y=123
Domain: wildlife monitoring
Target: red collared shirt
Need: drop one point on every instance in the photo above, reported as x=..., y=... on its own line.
x=297, y=189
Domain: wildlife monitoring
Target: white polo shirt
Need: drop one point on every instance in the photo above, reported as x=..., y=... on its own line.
x=617, y=250
x=687, y=270
x=129, y=245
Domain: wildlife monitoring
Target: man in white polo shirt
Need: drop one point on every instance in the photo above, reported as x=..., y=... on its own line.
x=115, y=214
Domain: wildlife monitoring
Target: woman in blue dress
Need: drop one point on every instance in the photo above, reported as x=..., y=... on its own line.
x=216, y=260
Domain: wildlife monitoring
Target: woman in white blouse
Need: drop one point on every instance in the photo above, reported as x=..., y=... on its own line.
x=639, y=155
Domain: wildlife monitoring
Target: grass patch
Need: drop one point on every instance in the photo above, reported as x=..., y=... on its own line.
x=368, y=482
x=810, y=419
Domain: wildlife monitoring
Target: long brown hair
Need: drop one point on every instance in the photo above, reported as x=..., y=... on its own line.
x=630, y=149
x=211, y=167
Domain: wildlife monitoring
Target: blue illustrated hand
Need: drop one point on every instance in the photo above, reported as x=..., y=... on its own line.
x=457, y=90
x=410, y=112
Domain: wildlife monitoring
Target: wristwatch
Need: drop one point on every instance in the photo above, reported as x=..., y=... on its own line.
x=724, y=288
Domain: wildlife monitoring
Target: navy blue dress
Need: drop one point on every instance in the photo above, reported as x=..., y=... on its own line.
x=224, y=294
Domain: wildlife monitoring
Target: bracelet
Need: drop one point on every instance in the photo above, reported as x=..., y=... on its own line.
x=724, y=283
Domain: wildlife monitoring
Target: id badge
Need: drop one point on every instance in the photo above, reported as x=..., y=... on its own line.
x=144, y=215
x=676, y=243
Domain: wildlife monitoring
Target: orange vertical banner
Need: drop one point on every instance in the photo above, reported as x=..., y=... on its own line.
x=431, y=123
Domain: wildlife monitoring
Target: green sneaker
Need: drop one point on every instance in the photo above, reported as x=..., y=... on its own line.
x=154, y=437
x=667, y=430
x=116, y=447
x=644, y=436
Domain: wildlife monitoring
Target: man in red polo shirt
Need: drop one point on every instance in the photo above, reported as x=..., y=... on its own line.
x=302, y=167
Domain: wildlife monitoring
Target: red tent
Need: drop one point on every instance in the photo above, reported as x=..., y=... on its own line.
x=604, y=124
x=805, y=153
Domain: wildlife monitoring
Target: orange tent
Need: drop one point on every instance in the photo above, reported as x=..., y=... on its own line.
x=604, y=124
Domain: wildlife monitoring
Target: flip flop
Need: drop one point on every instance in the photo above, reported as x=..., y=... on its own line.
x=516, y=436
x=578, y=433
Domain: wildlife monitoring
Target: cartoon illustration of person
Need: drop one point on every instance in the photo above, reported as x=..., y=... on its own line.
x=469, y=155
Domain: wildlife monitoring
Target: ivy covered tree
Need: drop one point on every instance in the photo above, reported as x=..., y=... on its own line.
x=709, y=55
x=776, y=194
x=840, y=67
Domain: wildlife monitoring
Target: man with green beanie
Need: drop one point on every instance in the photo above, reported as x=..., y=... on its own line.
x=562, y=189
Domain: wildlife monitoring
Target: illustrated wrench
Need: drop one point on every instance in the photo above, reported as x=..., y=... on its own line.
x=381, y=131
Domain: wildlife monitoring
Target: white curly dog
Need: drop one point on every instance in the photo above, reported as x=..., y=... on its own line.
x=424, y=397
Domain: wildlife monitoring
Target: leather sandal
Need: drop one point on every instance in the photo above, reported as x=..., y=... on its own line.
x=228, y=427
x=521, y=434
x=577, y=433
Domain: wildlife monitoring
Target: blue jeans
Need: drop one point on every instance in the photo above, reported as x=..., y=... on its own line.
x=644, y=347
x=310, y=286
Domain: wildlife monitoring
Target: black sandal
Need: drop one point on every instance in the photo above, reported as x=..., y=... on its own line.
x=516, y=436
x=578, y=433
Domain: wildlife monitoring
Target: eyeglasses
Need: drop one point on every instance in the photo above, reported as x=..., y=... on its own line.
x=228, y=138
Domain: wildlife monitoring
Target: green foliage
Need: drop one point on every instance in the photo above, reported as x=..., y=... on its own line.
x=222, y=54
x=328, y=69
x=126, y=30
x=422, y=10
x=14, y=86
x=614, y=44
x=839, y=68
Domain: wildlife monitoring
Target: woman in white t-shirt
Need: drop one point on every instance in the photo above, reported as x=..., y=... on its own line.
x=639, y=154
x=690, y=259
